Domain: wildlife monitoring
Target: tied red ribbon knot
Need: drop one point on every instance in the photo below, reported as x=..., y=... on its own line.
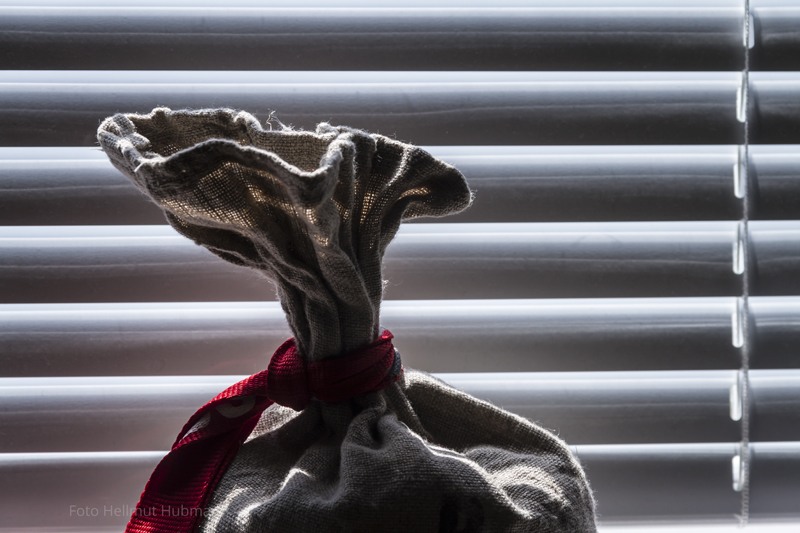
x=177, y=493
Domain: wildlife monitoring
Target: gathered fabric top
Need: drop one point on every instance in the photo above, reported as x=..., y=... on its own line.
x=312, y=211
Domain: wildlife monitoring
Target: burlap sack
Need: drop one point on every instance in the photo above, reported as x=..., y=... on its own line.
x=315, y=212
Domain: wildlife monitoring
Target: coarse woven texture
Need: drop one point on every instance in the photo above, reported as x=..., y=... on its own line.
x=418, y=456
x=313, y=211
x=182, y=483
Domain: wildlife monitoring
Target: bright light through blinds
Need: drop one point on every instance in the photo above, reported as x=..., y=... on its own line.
x=628, y=275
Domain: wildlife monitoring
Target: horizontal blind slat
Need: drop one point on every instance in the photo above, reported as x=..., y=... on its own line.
x=631, y=482
x=144, y=413
x=435, y=336
x=488, y=38
x=773, y=261
x=39, y=490
x=662, y=482
x=71, y=192
x=513, y=184
x=775, y=405
x=426, y=261
x=774, y=489
x=612, y=36
x=776, y=332
x=774, y=107
x=388, y=3
x=56, y=108
x=139, y=339
x=642, y=482
x=53, y=108
x=777, y=37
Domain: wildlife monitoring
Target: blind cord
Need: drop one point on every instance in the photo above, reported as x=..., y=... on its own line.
x=744, y=237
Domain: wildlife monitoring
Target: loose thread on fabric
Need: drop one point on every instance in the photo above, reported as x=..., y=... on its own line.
x=744, y=237
x=326, y=231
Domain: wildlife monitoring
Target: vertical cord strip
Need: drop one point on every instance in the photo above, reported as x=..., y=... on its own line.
x=744, y=236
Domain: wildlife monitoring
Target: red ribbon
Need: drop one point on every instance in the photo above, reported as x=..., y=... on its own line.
x=177, y=493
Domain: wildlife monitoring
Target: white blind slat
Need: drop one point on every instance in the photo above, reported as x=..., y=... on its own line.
x=71, y=186
x=146, y=412
x=426, y=261
x=141, y=413
x=467, y=108
x=437, y=336
x=468, y=38
x=638, y=481
x=433, y=335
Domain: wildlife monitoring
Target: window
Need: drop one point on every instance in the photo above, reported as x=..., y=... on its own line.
x=609, y=281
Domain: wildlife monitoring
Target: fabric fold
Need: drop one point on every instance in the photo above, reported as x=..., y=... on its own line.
x=313, y=211
x=354, y=443
x=178, y=491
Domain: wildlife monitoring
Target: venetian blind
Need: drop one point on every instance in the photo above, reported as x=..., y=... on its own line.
x=629, y=275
